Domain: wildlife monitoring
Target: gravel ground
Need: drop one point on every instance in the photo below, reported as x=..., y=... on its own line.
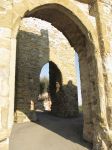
x=49, y=133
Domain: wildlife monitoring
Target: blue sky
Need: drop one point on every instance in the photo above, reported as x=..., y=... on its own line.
x=45, y=72
x=78, y=78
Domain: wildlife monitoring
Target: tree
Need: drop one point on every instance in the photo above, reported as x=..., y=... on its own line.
x=44, y=85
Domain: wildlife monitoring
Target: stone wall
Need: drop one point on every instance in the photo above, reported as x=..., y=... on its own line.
x=78, y=25
x=102, y=10
x=38, y=43
x=5, y=47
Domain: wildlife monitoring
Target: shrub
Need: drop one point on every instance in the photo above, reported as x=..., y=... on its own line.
x=44, y=85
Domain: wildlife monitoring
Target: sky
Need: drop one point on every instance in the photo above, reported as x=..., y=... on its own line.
x=45, y=73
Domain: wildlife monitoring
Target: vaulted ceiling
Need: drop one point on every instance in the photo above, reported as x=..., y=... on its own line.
x=62, y=22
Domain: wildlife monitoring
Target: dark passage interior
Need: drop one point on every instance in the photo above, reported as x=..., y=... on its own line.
x=54, y=76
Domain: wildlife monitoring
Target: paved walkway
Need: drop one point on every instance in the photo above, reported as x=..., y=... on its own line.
x=50, y=133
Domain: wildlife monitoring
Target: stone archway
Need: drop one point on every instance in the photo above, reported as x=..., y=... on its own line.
x=92, y=62
x=37, y=44
x=78, y=38
x=84, y=24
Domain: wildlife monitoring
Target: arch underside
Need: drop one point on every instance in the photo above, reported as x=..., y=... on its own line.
x=62, y=22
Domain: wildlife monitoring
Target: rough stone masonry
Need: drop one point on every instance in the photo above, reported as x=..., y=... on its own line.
x=87, y=26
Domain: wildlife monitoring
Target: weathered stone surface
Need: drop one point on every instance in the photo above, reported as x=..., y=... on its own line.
x=73, y=19
x=5, y=10
x=5, y=32
x=5, y=144
x=4, y=57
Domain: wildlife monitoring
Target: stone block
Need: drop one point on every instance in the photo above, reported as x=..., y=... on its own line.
x=4, y=57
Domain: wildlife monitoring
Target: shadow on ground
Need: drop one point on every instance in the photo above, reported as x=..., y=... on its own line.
x=49, y=133
x=69, y=128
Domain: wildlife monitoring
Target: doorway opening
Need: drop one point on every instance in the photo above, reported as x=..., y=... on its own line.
x=77, y=35
x=50, y=77
x=82, y=45
x=43, y=101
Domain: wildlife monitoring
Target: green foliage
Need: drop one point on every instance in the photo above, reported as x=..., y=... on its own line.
x=80, y=109
x=44, y=85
